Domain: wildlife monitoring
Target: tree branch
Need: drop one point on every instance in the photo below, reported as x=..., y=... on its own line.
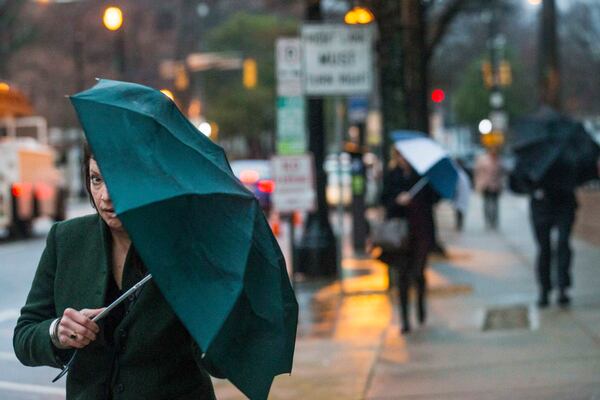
x=439, y=28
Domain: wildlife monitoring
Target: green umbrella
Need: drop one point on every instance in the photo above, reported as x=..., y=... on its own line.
x=198, y=230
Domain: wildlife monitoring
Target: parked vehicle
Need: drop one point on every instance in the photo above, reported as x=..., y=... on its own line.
x=335, y=192
x=257, y=177
x=30, y=185
x=339, y=179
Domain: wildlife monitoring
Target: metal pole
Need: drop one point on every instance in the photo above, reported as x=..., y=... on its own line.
x=317, y=251
x=120, y=54
x=339, y=131
x=359, y=223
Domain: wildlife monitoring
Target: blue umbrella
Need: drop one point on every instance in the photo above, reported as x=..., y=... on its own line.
x=434, y=164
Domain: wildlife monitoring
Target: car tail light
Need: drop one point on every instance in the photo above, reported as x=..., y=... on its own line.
x=17, y=190
x=266, y=186
x=43, y=192
x=249, y=176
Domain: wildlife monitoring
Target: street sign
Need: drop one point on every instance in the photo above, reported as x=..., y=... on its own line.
x=358, y=108
x=337, y=59
x=291, y=126
x=294, y=183
x=288, y=58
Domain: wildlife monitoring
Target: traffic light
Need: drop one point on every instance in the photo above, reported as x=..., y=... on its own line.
x=438, y=95
x=250, y=73
x=488, y=74
x=505, y=74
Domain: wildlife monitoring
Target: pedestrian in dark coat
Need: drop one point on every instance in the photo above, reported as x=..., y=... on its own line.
x=141, y=351
x=553, y=206
x=418, y=210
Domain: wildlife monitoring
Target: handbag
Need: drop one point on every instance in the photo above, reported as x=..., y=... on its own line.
x=391, y=234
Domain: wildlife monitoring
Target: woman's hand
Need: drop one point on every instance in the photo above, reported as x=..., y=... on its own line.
x=403, y=198
x=76, y=328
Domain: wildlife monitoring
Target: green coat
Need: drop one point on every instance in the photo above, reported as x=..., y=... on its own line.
x=153, y=356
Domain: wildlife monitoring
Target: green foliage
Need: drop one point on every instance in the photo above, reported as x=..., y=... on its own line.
x=237, y=110
x=471, y=101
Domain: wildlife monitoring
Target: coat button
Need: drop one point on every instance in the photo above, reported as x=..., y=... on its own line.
x=119, y=388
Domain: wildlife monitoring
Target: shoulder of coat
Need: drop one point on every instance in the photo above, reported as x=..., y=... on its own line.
x=77, y=226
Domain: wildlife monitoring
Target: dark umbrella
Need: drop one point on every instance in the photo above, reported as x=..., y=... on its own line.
x=553, y=151
x=201, y=234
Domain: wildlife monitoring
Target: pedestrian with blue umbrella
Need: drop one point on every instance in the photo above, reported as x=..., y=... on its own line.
x=418, y=175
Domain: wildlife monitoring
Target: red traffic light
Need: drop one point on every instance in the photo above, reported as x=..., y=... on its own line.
x=438, y=95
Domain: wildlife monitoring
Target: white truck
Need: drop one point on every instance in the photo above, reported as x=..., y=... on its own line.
x=30, y=184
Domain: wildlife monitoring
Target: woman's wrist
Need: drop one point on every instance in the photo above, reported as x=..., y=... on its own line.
x=53, y=331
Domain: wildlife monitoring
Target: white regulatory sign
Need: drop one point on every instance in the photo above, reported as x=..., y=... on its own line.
x=289, y=67
x=337, y=59
x=294, y=183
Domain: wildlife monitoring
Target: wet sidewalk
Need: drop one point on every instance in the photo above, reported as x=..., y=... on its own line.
x=484, y=338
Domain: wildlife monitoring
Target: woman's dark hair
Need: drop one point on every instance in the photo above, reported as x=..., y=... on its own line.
x=87, y=156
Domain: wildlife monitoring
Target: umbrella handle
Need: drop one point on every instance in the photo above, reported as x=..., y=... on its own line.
x=122, y=297
x=101, y=315
x=416, y=188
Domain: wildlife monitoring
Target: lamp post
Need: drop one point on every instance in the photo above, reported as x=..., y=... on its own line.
x=358, y=110
x=113, y=21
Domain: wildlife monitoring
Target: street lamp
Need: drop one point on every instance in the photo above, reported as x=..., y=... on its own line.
x=112, y=18
x=485, y=126
x=113, y=21
x=359, y=16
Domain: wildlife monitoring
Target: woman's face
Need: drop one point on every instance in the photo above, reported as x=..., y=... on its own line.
x=402, y=163
x=102, y=199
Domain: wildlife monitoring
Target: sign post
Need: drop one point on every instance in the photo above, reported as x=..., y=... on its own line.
x=338, y=62
x=294, y=190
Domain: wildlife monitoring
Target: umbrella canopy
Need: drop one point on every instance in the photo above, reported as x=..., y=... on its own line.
x=198, y=230
x=430, y=160
x=553, y=151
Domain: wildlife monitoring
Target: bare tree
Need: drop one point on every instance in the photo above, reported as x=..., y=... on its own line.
x=580, y=45
x=13, y=34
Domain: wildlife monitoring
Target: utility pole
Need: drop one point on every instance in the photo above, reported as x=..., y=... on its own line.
x=499, y=78
x=548, y=64
x=317, y=252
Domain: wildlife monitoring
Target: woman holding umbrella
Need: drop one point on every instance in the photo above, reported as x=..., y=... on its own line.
x=418, y=210
x=220, y=299
x=133, y=353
